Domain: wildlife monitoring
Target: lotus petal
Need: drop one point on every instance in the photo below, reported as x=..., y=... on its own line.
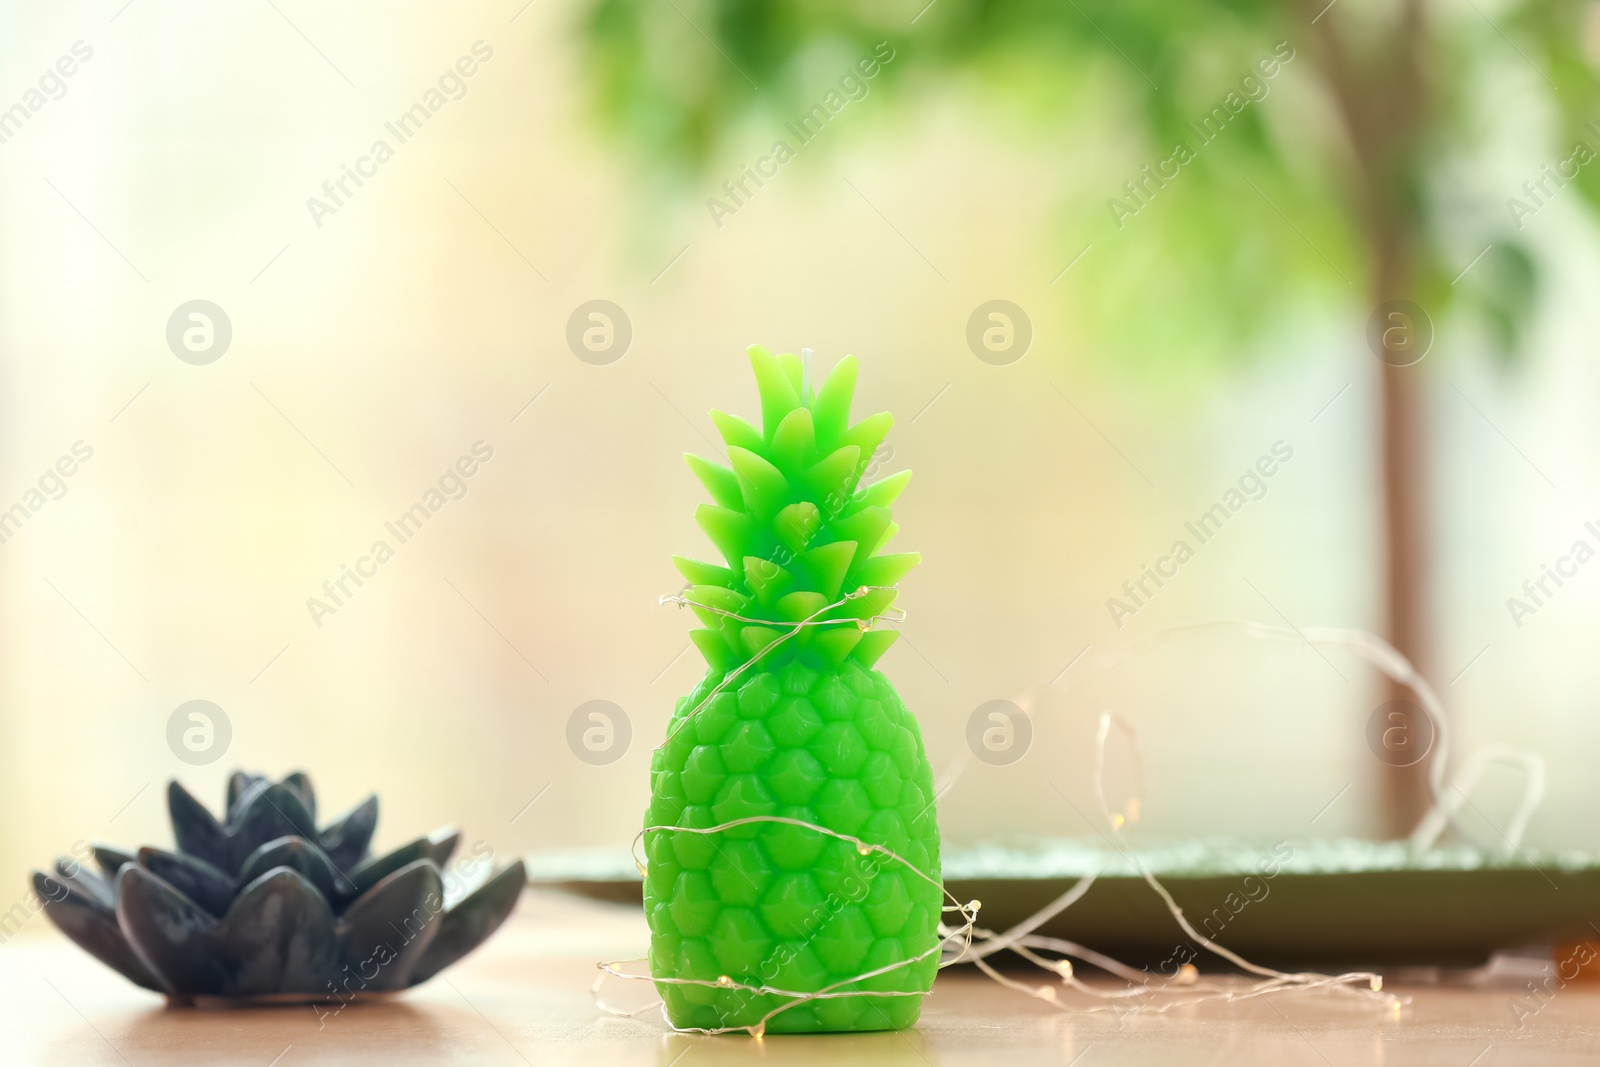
x=236, y=810
x=301, y=855
x=437, y=847
x=471, y=922
x=466, y=879
x=387, y=931
x=194, y=878
x=443, y=843
x=239, y=783
x=300, y=783
x=196, y=831
x=172, y=935
x=346, y=840
x=85, y=880
x=265, y=815
x=92, y=928
x=277, y=938
x=110, y=859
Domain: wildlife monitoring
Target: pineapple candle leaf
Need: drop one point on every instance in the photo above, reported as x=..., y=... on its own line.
x=791, y=838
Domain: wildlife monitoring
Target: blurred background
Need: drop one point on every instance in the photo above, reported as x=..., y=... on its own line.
x=1168, y=318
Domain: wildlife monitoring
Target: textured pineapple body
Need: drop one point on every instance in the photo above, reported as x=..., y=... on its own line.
x=784, y=906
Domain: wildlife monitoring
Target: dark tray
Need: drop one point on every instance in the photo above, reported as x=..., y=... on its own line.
x=1310, y=903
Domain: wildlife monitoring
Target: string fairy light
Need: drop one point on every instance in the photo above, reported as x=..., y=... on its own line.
x=966, y=942
x=959, y=937
x=814, y=619
x=956, y=937
x=1443, y=812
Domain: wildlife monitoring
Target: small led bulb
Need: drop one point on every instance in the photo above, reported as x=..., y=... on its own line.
x=1188, y=974
x=1133, y=810
x=1047, y=992
x=724, y=982
x=1117, y=820
x=974, y=905
x=1064, y=968
x=1376, y=983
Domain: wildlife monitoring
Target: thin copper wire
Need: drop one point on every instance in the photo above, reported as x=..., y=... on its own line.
x=898, y=615
x=973, y=944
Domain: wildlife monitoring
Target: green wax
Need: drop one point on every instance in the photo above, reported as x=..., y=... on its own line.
x=808, y=731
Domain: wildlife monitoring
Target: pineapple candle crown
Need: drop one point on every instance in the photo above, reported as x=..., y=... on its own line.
x=800, y=536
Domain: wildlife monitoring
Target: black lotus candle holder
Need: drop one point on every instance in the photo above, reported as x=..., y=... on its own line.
x=263, y=907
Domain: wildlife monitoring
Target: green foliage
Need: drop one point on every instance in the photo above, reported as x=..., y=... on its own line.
x=1276, y=210
x=1561, y=31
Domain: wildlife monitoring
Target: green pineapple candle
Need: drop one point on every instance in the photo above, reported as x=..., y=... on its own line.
x=793, y=729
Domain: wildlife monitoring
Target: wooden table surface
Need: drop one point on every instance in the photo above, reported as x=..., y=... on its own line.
x=525, y=999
